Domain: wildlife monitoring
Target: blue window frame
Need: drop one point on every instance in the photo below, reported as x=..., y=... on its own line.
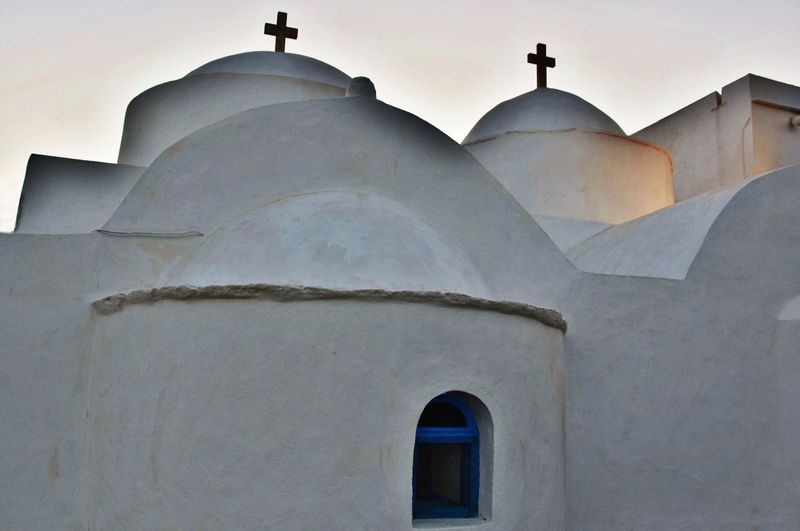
x=446, y=461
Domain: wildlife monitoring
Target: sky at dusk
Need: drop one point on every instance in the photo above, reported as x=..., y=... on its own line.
x=70, y=68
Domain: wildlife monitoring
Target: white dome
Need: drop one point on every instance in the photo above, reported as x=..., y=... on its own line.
x=566, y=158
x=543, y=109
x=338, y=192
x=335, y=239
x=276, y=64
x=162, y=115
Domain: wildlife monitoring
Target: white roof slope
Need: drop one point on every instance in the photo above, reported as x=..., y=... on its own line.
x=662, y=244
x=568, y=232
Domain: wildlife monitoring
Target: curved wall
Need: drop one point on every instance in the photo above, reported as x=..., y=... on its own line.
x=254, y=414
x=580, y=174
x=165, y=114
x=334, y=239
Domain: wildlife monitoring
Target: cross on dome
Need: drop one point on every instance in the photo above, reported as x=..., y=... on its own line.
x=280, y=31
x=542, y=63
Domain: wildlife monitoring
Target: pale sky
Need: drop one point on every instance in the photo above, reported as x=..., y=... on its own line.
x=70, y=68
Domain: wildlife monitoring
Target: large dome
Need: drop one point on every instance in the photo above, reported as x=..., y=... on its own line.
x=276, y=64
x=339, y=192
x=163, y=115
x=543, y=109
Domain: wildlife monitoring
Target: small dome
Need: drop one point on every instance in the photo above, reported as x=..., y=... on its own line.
x=276, y=64
x=543, y=109
x=361, y=87
x=339, y=239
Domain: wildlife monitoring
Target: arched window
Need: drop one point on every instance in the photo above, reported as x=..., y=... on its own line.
x=446, y=461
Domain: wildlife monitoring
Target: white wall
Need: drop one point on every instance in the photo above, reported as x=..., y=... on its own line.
x=721, y=140
x=677, y=391
x=301, y=415
x=580, y=174
x=689, y=135
x=164, y=114
x=777, y=142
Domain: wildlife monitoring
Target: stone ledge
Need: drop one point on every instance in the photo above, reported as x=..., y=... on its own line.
x=116, y=303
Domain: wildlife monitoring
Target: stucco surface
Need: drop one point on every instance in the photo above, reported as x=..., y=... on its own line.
x=787, y=350
x=165, y=114
x=661, y=245
x=677, y=391
x=568, y=232
x=728, y=137
x=711, y=140
x=579, y=173
x=276, y=64
x=791, y=312
x=380, y=179
x=332, y=454
x=46, y=287
x=62, y=196
x=342, y=239
x=776, y=140
x=195, y=412
x=690, y=136
x=543, y=109
x=769, y=91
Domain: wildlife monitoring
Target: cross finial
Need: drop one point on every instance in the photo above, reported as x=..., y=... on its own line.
x=542, y=63
x=280, y=31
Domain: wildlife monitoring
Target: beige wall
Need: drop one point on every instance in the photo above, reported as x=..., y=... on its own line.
x=777, y=141
x=690, y=137
x=165, y=114
x=710, y=140
x=209, y=415
x=580, y=174
x=721, y=140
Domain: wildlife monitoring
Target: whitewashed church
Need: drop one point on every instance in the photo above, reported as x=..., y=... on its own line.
x=290, y=306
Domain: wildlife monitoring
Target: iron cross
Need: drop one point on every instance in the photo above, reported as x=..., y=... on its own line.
x=280, y=31
x=542, y=63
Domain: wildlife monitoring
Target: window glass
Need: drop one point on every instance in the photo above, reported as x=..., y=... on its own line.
x=440, y=481
x=446, y=455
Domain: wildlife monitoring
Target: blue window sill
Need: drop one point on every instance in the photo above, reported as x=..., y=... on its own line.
x=451, y=524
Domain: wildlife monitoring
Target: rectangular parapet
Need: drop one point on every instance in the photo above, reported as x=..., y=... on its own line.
x=68, y=196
